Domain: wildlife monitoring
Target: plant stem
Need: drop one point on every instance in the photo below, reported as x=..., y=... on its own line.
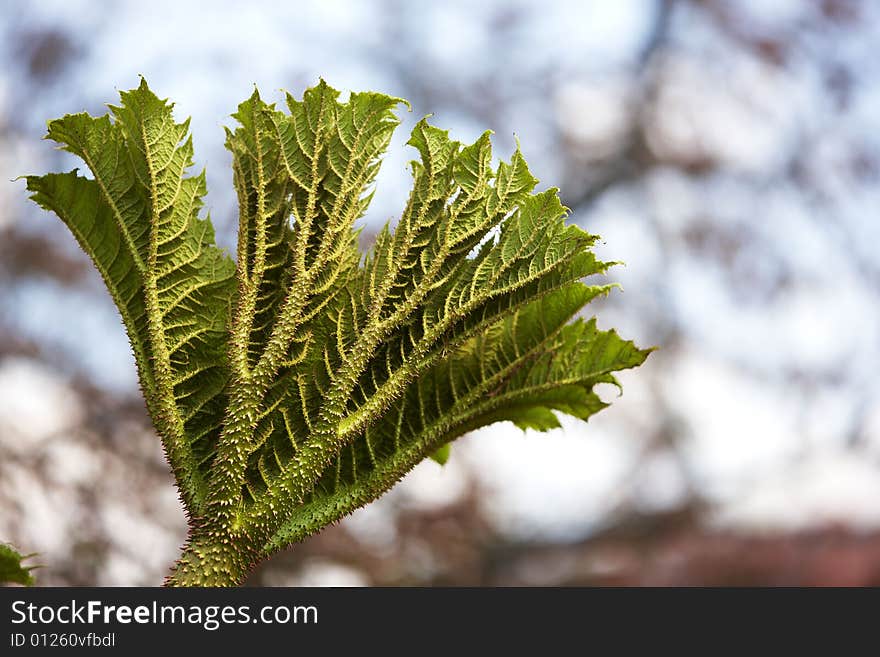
x=208, y=560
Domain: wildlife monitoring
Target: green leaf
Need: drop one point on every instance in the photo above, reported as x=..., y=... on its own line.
x=11, y=569
x=522, y=369
x=137, y=218
x=538, y=418
x=304, y=380
x=441, y=455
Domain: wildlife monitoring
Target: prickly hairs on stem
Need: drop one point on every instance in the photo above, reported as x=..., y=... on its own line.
x=302, y=379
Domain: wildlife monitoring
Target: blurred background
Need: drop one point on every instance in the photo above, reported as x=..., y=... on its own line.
x=727, y=150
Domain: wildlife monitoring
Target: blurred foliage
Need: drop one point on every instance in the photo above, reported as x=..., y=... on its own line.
x=11, y=569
